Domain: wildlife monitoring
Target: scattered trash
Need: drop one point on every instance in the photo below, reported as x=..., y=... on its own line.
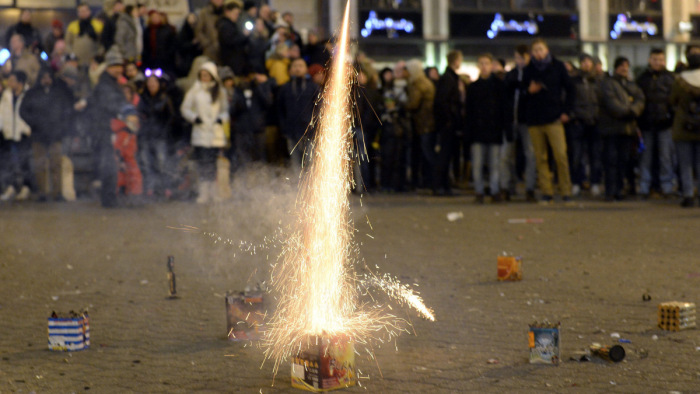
x=697, y=348
x=69, y=332
x=623, y=340
x=492, y=361
x=615, y=353
x=144, y=281
x=245, y=312
x=70, y=267
x=646, y=297
x=642, y=353
x=172, y=290
x=615, y=335
x=676, y=316
x=581, y=356
x=55, y=298
x=543, y=338
x=454, y=216
x=525, y=220
x=654, y=337
x=509, y=268
x=613, y=382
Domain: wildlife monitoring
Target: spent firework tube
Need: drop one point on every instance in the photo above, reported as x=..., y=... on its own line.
x=615, y=353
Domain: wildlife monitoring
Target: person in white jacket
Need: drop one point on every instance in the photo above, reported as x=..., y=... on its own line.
x=16, y=146
x=206, y=107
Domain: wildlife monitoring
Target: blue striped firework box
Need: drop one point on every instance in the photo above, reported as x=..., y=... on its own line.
x=69, y=333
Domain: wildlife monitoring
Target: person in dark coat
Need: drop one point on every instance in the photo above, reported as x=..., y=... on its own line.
x=295, y=102
x=232, y=43
x=156, y=111
x=252, y=99
x=109, y=30
x=621, y=104
x=655, y=123
x=316, y=51
x=105, y=103
x=258, y=46
x=448, y=109
x=188, y=47
x=31, y=35
x=158, y=44
x=548, y=105
x=46, y=108
x=486, y=121
x=368, y=101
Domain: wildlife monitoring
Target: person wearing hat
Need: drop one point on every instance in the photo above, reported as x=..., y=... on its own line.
x=54, y=35
x=582, y=130
x=47, y=108
x=125, y=128
x=622, y=101
x=105, y=103
x=206, y=108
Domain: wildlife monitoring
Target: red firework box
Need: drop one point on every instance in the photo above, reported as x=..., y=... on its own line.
x=245, y=313
x=510, y=268
x=328, y=364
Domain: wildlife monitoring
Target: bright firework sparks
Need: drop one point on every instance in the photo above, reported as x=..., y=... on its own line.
x=317, y=288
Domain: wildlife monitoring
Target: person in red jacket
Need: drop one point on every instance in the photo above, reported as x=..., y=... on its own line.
x=125, y=128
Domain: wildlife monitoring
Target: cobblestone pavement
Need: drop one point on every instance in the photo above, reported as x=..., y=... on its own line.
x=586, y=266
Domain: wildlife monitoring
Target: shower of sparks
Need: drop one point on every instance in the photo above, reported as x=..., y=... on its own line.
x=316, y=286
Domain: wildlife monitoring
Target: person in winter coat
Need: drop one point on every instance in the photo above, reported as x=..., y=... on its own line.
x=21, y=59
x=232, y=43
x=421, y=97
x=31, y=35
x=486, y=123
x=56, y=34
x=16, y=142
x=125, y=128
x=583, y=135
x=104, y=105
x=47, y=109
x=368, y=101
x=258, y=45
x=295, y=102
x=393, y=133
x=621, y=103
x=109, y=21
x=127, y=37
x=158, y=44
x=655, y=123
x=546, y=82
x=206, y=32
x=252, y=99
x=278, y=65
x=82, y=35
x=157, y=113
x=448, y=108
x=685, y=99
x=188, y=47
x=205, y=106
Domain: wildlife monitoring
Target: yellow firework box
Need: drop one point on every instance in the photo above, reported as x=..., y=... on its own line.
x=676, y=316
x=510, y=268
x=328, y=364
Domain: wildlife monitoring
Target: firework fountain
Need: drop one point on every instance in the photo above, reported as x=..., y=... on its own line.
x=317, y=288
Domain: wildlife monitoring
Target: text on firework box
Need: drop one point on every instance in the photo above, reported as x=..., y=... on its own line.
x=70, y=332
x=544, y=344
x=245, y=313
x=510, y=268
x=327, y=364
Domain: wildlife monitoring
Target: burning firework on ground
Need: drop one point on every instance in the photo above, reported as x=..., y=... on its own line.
x=317, y=288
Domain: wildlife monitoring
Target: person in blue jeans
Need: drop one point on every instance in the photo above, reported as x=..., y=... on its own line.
x=655, y=124
x=486, y=120
x=685, y=98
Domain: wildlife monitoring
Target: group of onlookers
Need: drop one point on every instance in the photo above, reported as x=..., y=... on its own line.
x=166, y=113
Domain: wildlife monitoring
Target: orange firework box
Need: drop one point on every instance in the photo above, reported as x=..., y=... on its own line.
x=510, y=268
x=245, y=314
x=328, y=364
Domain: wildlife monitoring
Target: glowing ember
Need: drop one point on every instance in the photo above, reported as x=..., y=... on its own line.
x=316, y=286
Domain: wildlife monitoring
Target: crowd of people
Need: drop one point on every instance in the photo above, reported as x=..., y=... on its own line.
x=174, y=113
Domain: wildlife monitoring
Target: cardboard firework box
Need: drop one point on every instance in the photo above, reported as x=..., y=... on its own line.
x=70, y=332
x=510, y=268
x=245, y=314
x=676, y=316
x=328, y=364
x=544, y=343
